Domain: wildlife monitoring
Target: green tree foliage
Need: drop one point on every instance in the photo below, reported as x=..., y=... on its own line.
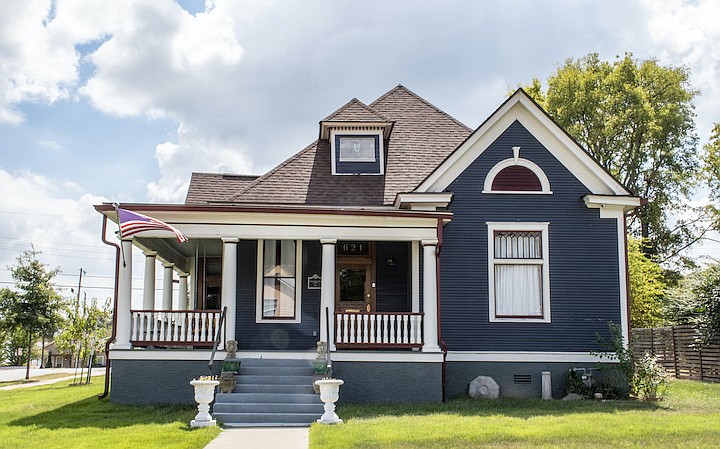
x=696, y=301
x=636, y=118
x=34, y=306
x=86, y=329
x=647, y=287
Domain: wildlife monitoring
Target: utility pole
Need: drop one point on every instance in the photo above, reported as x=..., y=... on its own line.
x=77, y=312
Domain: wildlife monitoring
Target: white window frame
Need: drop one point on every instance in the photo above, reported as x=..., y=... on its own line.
x=530, y=165
x=259, y=282
x=492, y=227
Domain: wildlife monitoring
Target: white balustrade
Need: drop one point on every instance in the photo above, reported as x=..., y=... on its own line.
x=174, y=327
x=378, y=330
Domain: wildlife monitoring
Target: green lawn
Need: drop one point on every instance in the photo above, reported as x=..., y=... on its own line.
x=62, y=416
x=34, y=379
x=688, y=418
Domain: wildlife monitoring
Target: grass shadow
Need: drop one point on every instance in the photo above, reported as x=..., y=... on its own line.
x=102, y=414
x=523, y=408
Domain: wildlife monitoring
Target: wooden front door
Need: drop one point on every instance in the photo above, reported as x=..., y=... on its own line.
x=354, y=292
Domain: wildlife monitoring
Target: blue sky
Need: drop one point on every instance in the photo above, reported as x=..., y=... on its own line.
x=121, y=100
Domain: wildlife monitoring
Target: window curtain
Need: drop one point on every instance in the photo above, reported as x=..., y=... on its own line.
x=518, y=286
x=518, y=290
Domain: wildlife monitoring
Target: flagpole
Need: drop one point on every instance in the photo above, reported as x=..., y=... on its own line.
x=122, y=249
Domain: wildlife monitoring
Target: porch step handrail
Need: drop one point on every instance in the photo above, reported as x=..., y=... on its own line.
x=220, y=328
x=174, y=327
x=378, y=330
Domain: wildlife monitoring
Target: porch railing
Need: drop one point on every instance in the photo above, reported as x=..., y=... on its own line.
x=378, y=330
x=174, y=327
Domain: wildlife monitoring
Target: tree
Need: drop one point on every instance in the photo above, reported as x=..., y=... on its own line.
x=696, y=301
x=34, y=306
x=637, y=119
x=86, y=330
x=647, y=287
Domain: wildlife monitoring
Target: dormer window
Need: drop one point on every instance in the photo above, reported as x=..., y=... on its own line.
x=357, y=151
x=357, y=148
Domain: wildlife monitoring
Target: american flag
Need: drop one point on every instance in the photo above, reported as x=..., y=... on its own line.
x=132, y=222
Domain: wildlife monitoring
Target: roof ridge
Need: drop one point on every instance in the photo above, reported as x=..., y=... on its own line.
x=354, y=100
x=400, y=87
x=261, y=178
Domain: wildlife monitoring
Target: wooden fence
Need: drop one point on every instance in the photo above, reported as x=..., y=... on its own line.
x=679, y=349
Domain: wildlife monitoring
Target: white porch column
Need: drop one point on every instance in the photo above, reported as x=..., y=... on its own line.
x=122, y=331
x=167, y=286
x=149, y=281
x=229, y=284
x=183, y=291
x=327, y=293
x=430, y=328
x=415, y=276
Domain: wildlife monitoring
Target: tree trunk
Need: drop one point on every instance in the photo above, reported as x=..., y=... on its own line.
x=27, y=370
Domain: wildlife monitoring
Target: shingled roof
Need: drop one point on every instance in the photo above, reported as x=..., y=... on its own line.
x=423, y=136
x=355, y=111
x=204, y=187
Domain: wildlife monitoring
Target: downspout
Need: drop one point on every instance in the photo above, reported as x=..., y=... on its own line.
x=106, y=392
x=627, y=279
x=441, y=342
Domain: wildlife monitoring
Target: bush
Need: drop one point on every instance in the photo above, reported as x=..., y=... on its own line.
x=649, y=381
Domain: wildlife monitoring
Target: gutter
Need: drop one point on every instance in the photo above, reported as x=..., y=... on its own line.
x=113, y=333
x=441, y=342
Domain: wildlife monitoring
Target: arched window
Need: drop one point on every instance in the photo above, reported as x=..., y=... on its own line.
x=516, y=175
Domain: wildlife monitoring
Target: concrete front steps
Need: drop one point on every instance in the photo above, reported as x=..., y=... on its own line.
x=270, y=393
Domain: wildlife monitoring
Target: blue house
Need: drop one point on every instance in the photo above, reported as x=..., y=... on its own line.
x=425, y=253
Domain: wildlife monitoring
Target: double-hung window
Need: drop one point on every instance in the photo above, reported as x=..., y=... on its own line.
x=518, y=272
x=278, y=296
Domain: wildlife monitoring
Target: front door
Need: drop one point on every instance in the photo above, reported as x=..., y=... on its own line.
x=354, y=288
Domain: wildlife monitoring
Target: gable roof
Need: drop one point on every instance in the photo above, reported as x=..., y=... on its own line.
x=422, y=137
x=520, y=107
x=204, y=187
x=355, y=111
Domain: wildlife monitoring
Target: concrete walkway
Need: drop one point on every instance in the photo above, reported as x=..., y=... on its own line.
x=16, y=373
x=262, y=438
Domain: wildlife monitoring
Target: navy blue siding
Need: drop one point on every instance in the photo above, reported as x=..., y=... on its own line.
x=276, y=336
x=392, y=291
x=583, y=258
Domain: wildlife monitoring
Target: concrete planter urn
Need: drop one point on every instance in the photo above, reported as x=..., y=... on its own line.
x=329, y=394
x=204, y=395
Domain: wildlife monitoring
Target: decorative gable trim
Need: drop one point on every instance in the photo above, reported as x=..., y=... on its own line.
x=521, y=108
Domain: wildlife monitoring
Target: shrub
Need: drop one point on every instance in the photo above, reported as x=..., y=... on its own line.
x=649, y=381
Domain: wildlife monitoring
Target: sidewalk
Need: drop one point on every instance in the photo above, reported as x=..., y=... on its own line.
x=262, y=438
x=16, y=373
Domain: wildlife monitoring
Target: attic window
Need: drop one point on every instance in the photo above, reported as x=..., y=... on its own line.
x=516, y=175
x=357, y=148
x=357, y=152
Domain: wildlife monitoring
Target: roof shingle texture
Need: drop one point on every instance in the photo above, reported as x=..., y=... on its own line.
x=204, y=187
x=422, y=137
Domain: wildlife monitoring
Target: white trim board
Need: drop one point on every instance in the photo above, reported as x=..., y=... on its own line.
x=400, y=357
x=521, y=108
x=174, y=354
x=526, y=356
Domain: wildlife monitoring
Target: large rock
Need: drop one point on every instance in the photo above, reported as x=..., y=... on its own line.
x=573, y=397
x=484, y=387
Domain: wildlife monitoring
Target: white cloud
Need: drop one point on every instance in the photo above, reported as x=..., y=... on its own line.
x=65, y=229
x=194, y=151
x=49, y=145
x=688, y=33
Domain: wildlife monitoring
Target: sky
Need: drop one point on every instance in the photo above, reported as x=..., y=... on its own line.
x=121, y=100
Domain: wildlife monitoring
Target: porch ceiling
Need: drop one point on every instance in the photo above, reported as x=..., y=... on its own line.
x=169, y=250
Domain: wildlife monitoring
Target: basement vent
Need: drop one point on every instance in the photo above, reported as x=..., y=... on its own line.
x=523, y=379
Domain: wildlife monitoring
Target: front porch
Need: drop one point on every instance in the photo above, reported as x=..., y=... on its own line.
x=364, y=281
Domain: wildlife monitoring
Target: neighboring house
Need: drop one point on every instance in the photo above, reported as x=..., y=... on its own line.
x=426, y=253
